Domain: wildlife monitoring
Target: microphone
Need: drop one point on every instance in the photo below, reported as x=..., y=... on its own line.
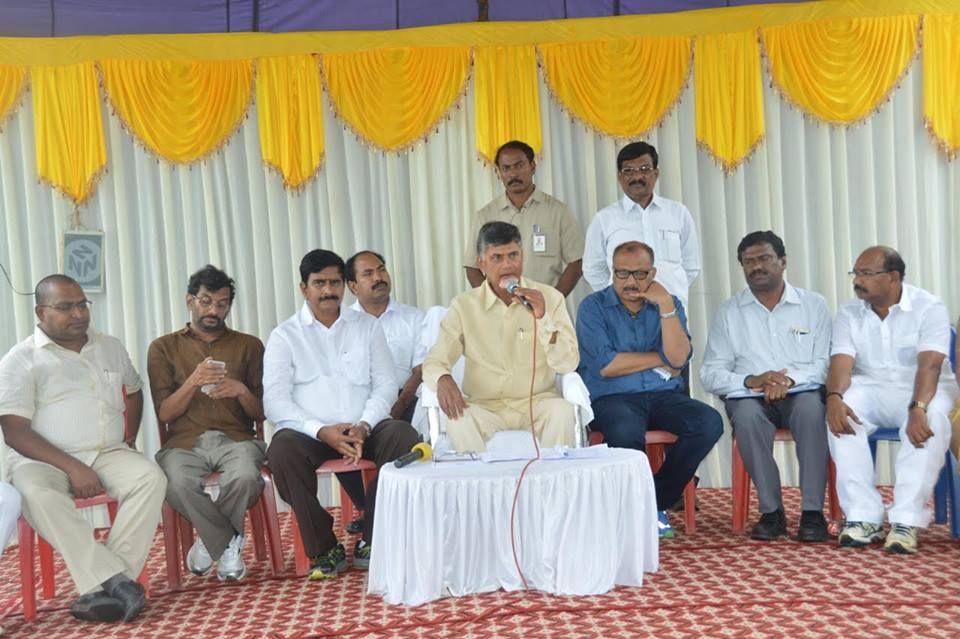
x=511, y=287
x=421, y=451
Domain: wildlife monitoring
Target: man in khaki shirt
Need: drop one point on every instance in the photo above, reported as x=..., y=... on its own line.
x=64, y=392
x=495, y=332
x=206, y=382
x=553, y=246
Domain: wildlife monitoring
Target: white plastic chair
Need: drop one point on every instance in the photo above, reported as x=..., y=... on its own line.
x=570, y=386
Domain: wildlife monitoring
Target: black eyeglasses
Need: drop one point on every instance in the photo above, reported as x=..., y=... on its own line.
x=622, y=274
x=858, y=273
x=67, y=307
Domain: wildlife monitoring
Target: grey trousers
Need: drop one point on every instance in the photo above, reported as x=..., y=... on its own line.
x=754, y=422
x=240, y=485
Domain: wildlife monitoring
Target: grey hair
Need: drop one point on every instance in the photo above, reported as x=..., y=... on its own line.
x=497, y=234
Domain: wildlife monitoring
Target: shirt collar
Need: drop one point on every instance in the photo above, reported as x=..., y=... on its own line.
x=504, y=203
x=628, y=205
x=391, y=308
x=347, y=314
x=188, y=333
x=790, y=296
x=610, y=299
x=905, y=304
x=488, y=298
x=42, y=340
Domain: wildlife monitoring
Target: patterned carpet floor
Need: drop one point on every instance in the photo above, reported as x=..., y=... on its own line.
x=710, y=584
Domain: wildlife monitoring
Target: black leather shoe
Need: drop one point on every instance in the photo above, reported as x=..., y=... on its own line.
x=97, y=606
x=813, y=526
x=355, y=527
x=771, y=526
x=132, y=596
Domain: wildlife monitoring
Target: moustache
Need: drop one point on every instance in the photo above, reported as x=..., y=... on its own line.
x=213, y=317
x=758, y=272
x=859, y=289
x=329, y=298
x=515, y=181
x=379, y=285
x=640, y=182
x=633, y=289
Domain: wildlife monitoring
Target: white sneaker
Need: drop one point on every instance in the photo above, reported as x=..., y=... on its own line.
x=199, y=560
x=231, y=566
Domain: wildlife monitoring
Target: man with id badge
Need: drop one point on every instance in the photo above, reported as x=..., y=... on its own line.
x=766, y=357
x=206, y=382
x=553, y=251
x=641, y=215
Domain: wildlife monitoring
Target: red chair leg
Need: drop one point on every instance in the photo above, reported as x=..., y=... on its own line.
x=268, y=503
x=346, y=511
x=836, y=514
x=300, y=561
x=185, y=532
x=256, y=526
x=740, y=489
x=28, y=587
x=48, y=586
x=171, y=546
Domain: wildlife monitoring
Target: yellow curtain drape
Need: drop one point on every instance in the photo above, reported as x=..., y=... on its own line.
x=622, y=87
x=941, y=88
x=290, y=117
x=506, y=98
x=70, y=147
x=180, y=110
x=840, y=70
x=393, y=97
x=12, y=83
x=729, y=95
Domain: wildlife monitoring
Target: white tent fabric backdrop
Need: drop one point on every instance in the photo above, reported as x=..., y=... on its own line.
x=829, y=192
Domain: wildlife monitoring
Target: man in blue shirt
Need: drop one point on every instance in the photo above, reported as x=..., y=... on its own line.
x=633, y=344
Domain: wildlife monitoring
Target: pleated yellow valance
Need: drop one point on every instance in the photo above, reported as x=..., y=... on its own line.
x=622, y=87
x=71, y=151
x=394, y=97
x=840, y=70
x=289, y=116
x=729, y=96
x=506, y=99
x=183, y=96
x=12, y=82
x=941, y=80
x=180, y=110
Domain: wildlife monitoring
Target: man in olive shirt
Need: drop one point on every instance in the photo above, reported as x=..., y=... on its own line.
x=553, y=247
x=495, y=330
x=207, y=388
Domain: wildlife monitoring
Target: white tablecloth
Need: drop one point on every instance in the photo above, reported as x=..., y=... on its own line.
x=582, y=527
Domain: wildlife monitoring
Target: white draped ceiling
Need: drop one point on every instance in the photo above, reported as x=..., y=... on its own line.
x=829, y=192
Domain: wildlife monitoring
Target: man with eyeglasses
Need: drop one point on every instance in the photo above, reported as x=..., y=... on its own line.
x=641, y=215
x=889, y=368
x=767, y=357
x=633, y=343
x=70, y=408
x=553, y=239
x=206, y=382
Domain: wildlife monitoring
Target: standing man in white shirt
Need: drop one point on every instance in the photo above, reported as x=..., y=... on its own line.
x=67, y=394
x=889, y=367
x=767, y=357
x=328, y=387
x=641, y=215
x=553, y=239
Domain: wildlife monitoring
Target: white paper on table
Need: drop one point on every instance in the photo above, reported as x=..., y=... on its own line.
x=746, y=392
x=547, y=454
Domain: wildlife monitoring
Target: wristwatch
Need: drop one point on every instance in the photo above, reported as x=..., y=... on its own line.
x=672, y=313
x=915, y=404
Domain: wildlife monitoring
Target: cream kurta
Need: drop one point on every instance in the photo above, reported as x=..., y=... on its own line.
x=496, y=342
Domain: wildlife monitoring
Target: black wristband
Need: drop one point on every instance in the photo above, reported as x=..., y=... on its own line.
x=837, y=393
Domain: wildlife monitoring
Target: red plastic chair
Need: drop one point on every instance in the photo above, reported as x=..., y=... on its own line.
x=741, y=485
x=368, y=471
x=178, y=531
x=657, y=442
x=26, y=536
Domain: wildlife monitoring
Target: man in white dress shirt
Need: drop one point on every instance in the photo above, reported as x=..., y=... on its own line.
x=641, y=215
x=889, y=368
x=64, y=393
x=328, y=387
x=767, y=357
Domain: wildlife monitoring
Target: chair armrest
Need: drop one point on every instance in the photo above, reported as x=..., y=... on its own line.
x=428, y=397
x=575, y=391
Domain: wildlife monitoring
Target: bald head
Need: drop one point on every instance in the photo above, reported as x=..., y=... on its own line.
x=888, y=257
x=47, y=286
